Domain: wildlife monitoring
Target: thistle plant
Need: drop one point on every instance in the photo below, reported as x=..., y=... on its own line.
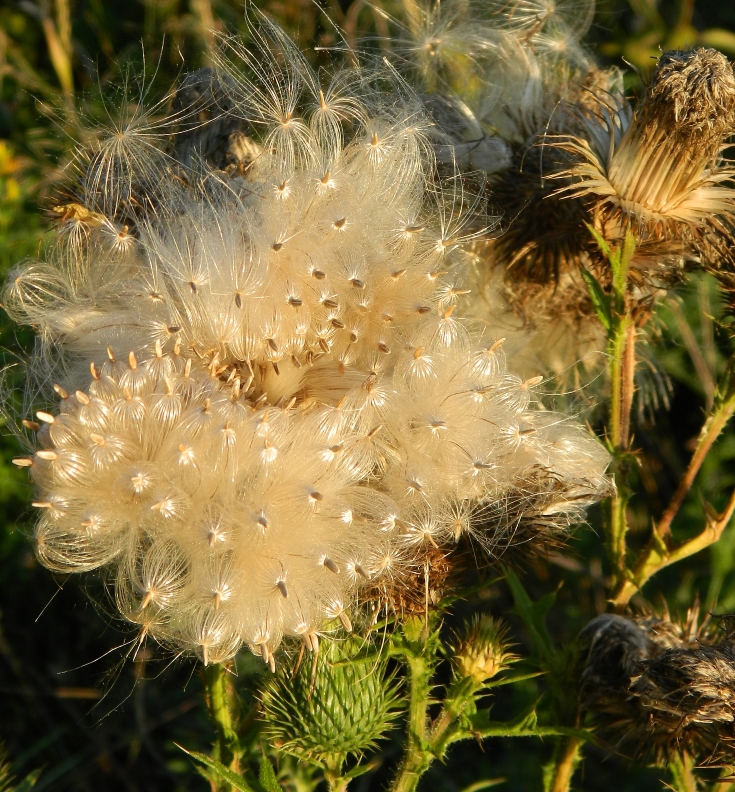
x=273, y=407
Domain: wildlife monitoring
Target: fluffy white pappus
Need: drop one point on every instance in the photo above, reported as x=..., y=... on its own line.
x=508, y=64
x=229, y=519
x=303, y=419
x=334, y=242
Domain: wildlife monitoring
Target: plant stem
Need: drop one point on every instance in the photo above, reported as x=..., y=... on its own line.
x=566, y=763
x=622, y=370
x=711, y=430
x=222, y=711
x=417, y=757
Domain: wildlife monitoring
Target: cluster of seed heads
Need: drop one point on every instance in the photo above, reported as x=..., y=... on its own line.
x=284, y=409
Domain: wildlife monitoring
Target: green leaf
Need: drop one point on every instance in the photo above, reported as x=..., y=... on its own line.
x=600, y=300
x=361, y=769
x=267, y=776
x=511, y=680
x=719, y=38
x=237, y=781
x=601, y=241
x=619, y=262
x=534, y=617
x=479, y=786
x=28, y=782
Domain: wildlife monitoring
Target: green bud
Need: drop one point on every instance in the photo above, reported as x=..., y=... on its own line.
x=482, y=652
x=336, y=706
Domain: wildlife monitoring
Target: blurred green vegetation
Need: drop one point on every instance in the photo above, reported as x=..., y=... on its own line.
x=76, y=699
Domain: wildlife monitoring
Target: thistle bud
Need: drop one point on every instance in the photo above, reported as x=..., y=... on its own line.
x=336, y=707
x=483, y=650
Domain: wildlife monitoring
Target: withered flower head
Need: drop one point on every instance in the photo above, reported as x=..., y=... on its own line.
x=656, y=687
x=659, y=169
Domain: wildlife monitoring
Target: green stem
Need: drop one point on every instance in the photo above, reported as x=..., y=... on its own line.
x=622, y=365
x=418, y=757
x=222, y=711
x=565, y=763
x=682, y=774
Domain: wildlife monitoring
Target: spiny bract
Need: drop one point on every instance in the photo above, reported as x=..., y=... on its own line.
x=294, y=412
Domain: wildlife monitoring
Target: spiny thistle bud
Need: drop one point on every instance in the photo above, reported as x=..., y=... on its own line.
x=302, y=417
x=335, y=708
x=657, y=687
x=482, y=652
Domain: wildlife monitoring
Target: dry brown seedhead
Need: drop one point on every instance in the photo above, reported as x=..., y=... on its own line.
x=657, y=687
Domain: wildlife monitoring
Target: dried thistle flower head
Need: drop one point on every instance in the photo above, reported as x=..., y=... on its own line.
x=657, y=687
x=482, y=652
x=658, y=168
x=285, y=413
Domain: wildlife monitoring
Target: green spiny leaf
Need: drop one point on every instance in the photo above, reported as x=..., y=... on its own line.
x=237, y=781
x=600, y=300
x=267, y=776
x=601, y=241
x=534, y=617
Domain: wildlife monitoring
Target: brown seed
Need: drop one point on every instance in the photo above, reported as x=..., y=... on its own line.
x=330, y=565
